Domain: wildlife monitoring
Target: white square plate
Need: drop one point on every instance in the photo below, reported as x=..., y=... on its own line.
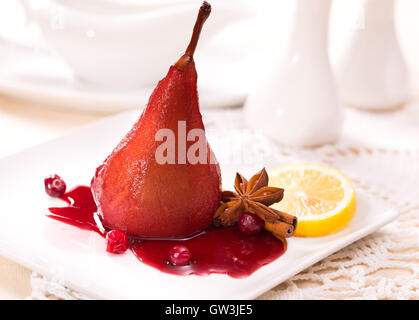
x=78, y=257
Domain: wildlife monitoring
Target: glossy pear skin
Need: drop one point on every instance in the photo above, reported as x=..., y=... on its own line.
x=146, y=199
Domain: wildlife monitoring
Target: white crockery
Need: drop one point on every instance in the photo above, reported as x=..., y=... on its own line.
x=372, y=72
x=41, y=77
x=124, y=46
x=297, y=102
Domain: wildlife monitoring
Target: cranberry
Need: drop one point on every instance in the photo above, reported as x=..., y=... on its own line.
x=179, y=256
x=55, y=186
x=116, y=241
x=250, y=224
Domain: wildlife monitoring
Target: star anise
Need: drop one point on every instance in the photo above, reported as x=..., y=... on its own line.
x=255, y=196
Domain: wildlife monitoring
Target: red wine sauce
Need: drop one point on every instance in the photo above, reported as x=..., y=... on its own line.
x=217, y=250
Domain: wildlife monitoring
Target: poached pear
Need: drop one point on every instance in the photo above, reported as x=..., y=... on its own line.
x=138, y=194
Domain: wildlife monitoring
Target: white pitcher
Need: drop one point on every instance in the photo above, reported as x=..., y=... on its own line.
x=372, y=72
x=297, y=103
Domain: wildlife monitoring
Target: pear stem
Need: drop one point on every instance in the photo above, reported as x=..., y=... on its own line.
x=204, y=12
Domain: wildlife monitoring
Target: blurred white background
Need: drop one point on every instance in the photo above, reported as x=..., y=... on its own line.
x=228, y=64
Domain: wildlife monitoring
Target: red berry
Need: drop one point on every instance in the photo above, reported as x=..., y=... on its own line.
x=116, y=241
x=179, y=256
x=55, y=186
x=250, y=224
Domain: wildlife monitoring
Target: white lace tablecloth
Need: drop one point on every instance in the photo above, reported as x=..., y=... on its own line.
x=380, y=153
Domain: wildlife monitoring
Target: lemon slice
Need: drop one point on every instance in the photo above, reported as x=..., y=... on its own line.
x=322, y=198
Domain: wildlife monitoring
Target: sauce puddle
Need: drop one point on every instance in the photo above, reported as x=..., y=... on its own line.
x=217, y=250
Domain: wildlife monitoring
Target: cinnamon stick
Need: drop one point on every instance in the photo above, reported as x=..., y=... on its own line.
x=280, y=229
